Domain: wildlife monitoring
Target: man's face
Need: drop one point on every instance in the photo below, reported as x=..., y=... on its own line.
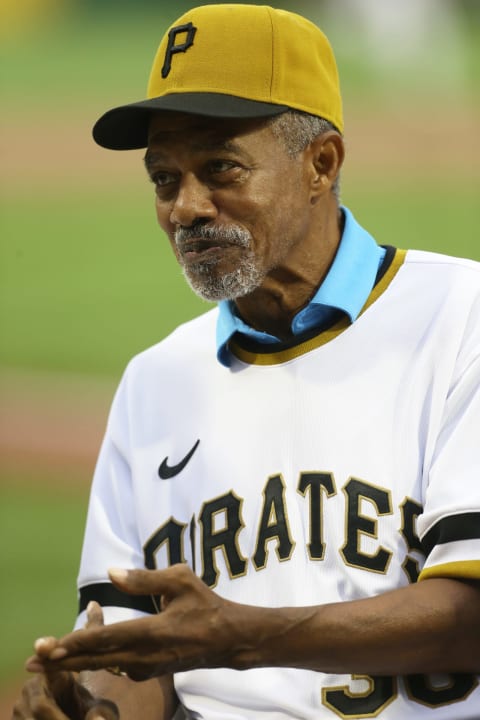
x=232, y=202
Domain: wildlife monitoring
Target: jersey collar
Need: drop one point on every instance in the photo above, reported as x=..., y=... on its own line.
x=346, y=287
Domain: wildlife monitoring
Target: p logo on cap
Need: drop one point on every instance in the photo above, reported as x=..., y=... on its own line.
x=173, y=48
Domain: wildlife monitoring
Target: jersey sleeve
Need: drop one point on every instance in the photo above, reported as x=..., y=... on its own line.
x=111, y=538
x=449, y=527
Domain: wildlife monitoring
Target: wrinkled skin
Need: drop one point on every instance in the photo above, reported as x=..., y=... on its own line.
x=195, y=626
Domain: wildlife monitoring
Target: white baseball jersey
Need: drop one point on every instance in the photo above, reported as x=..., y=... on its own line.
x=340, y=467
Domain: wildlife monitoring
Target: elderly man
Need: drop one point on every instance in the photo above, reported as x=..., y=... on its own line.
x=285, y=515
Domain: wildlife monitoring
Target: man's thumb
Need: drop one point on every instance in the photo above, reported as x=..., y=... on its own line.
x=139, y=582
x=94, y=615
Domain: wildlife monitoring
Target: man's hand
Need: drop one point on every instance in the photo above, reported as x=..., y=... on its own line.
x=195, y=629
x=57, y=695
x=199, y=629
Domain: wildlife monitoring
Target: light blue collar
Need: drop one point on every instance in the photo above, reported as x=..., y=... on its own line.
x=346, y=287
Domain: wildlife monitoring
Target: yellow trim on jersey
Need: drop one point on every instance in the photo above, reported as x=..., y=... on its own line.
x=464, y=569
x=324, y=337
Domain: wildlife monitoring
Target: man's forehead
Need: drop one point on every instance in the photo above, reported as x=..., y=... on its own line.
x=168, y=127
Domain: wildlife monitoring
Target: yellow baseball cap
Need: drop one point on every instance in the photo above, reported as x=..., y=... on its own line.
x=232, y=61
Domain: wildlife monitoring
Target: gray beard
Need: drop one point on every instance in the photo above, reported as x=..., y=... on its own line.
x=202, y=277
x=229, y=286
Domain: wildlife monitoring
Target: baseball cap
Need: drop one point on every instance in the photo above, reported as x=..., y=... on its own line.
x=232, y=61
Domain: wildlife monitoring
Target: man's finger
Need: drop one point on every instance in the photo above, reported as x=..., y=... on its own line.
x=151, y=582
x=94, y=615
x=34, y=664
x=105, y=640
x=82, y=658
x=44, y=646
x=141, y=582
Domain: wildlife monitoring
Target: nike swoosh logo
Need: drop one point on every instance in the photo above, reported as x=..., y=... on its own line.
x=166, y=471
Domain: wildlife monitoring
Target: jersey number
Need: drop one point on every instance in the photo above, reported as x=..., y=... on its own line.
x=347, y=703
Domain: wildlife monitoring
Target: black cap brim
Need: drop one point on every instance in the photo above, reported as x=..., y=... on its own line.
x=126, y=127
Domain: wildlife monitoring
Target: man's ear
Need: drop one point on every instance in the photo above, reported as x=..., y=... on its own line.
x=327, y=152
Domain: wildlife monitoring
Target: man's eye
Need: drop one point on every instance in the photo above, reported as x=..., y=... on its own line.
x=221, y=166
x=161, y=179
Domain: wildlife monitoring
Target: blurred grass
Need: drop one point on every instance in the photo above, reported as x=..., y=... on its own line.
x=74, y=59
x=40, y=534
x=434, y=217
x=98, y=284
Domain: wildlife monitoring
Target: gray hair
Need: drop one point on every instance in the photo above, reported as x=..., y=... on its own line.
x=296, y=130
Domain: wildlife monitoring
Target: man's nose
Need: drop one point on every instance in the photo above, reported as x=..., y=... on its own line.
x=192, y=202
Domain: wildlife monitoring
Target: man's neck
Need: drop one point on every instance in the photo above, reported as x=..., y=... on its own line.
x=287, y=289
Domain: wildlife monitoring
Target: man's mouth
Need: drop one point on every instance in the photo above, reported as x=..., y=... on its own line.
x=194, y=249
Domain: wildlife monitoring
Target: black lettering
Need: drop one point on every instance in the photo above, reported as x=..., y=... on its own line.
x=173, y=48
x=170, y=533
x=192, y=543
x=410, y=511
x=358, y=524
x=273, y=523
x=225, y=538
x=314, y=483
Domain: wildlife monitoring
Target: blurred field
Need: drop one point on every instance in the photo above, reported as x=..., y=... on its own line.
x=35, y=526
x=87, y=280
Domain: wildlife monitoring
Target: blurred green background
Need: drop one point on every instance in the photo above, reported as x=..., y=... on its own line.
x=86, y=278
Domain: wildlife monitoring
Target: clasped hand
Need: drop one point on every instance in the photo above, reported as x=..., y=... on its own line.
x=196, y=628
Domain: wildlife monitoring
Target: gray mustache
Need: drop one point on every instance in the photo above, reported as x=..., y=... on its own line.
x=231, y=234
